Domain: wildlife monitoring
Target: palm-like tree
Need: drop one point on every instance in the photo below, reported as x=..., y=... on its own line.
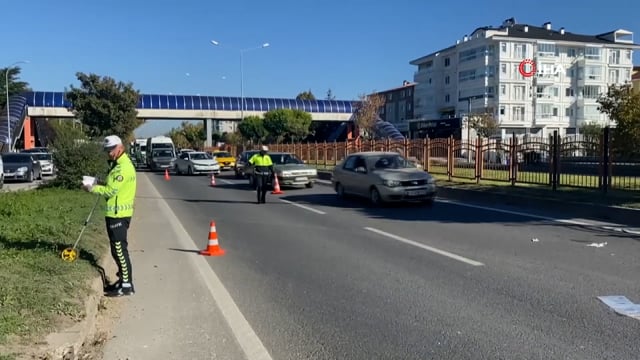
x=15, y=85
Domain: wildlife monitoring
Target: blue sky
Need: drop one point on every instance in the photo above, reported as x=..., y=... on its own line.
x=349, y=46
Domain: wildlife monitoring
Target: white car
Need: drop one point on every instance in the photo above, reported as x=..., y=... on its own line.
x=196, y=162
x=46, y=163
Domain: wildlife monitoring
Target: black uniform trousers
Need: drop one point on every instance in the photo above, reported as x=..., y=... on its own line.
x=263, y=182
x=117, y=229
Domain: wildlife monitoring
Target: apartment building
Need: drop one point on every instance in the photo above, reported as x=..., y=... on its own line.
x=635, y=78
x=533, y=79
x=398, y=106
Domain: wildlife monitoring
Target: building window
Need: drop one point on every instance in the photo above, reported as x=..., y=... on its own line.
x=389, y=97
x=504, y=48
x=592, y=53
x=503, y=109
x=627, y=75
x=518, y=113
x=503, y=69
x=447, y=98
x=614, y=76
x=520, y=51
x=546, y=49
x=614, y=57
x=544, y=110
x=447, y=79
x=519, y=92
x=629, y=55
x=590, y=91
x=569, y=92
x=447, y=62
x=571, y=52
x=591, y=112
x=490, y=71
x=568, y=111
x=466, y=75
x=503, y=89
x=515, y=73
x=593, y=73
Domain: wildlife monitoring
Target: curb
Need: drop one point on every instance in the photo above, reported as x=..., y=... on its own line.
x=616, y=214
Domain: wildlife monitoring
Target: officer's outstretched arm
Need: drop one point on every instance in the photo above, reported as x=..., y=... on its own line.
x=111, y=188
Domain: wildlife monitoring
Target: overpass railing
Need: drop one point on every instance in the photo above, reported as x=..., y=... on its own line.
x=18, y=110
x=554, y=161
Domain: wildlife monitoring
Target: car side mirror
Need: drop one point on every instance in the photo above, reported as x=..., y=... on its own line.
x=361, y=169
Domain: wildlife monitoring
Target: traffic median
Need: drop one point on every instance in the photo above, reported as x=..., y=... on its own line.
x=40, y=293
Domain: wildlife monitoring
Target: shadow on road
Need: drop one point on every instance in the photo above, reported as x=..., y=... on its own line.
x=186, y=250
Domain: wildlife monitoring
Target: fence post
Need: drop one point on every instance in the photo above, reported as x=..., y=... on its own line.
x=406, y=148
x=478, y=159
x=555, y=160
x=606, y=160
x=513, y=162
x=450, y=157
x=324, y=160
x=316, y=157
x=335, y=152
x=427, y=154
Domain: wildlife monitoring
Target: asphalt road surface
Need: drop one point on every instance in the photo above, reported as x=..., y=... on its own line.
x=322, y=278
x=15, y=185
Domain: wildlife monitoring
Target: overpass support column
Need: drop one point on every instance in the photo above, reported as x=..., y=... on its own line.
x=208, y=128
x=351, y=131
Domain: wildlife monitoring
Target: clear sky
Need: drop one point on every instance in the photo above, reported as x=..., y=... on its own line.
x=348, y=46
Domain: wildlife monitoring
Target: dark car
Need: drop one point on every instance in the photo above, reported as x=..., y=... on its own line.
x=242, y=161
x=21, y=166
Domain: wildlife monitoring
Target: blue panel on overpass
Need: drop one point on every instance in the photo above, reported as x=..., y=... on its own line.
x=52, y=99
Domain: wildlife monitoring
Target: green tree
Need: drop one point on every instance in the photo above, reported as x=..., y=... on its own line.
x=105, y=106
x=253, y=128
x=484, y=124
x=329, y=95
x=15, y=85
x=188, y=135
x=622, y=105
x=298, y=125
x=178, y=138
x=591, y=133
x=276, y=122
x=306, y=95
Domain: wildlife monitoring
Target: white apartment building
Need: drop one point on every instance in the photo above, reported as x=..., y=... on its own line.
x=482, y=73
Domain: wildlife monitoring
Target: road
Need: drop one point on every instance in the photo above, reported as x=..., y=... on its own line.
x=320, y=278
x=15, y=186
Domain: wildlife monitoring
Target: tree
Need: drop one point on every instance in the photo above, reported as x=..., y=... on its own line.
x=105, y=106
x=367, y=113
x=484, y=124
x=188, y=135
x=306, y=95
x=591, y=134
x=330, y=95
x=622, y=105
x=252, y=128
x=15, y=85
x=298, y=124
x=276, y=122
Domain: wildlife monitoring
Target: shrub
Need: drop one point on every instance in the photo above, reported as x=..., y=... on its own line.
x=75, y=156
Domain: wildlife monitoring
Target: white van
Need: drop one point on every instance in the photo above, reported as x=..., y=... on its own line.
x=161, y=153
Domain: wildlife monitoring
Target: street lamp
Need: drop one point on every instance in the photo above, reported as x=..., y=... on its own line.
x=242, y=51
x=6, y=85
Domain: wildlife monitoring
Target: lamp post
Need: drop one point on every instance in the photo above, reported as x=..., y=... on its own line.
x=6, y=86
x=242, y=51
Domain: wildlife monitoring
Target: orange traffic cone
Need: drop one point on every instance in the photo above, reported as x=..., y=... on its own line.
x=213, y=247
x=213, y=180
x=276, y=187
x=166, y=174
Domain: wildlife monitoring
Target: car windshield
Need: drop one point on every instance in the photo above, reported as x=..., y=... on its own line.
x=223, y=154
x=163, y=153
x=16, y=158
x=199, y=156
x=391, y=162
x=42, y=156
x=284, y=159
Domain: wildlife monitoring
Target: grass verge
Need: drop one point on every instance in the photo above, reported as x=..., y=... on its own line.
x=39, y=292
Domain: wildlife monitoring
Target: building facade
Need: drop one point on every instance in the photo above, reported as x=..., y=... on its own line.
x=534, y=80
x=398, y=107
x=635, y=78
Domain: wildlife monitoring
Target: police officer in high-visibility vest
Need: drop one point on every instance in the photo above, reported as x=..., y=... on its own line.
x=119, y=192
x=263, y=172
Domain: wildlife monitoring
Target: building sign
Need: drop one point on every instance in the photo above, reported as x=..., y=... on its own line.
x=529, y=68
x=435, y=124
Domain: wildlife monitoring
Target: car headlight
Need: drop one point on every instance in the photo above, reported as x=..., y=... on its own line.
x=22, y=169
x=313, y=172
x=391, y=183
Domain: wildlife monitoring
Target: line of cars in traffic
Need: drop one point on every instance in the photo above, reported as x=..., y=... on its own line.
x=27, y=165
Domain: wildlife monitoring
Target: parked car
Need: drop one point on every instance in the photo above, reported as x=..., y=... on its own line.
x=290, y=171
x=36, y=150
x=196, y=162
x=225, y=159
x=46, y=163
x=21, y=166
x=242, y=161
x=383, y=177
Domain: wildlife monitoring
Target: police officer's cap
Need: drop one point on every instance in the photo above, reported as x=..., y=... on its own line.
x=111, y=141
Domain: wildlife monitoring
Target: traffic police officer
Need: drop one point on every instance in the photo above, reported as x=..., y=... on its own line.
x=119, y=192
x=263, y=171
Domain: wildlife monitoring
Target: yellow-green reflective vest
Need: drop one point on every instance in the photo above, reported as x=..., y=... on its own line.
x=120, y=189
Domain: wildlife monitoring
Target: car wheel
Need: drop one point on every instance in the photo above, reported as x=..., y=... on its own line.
x=340, y=191
x=40, y=175
x=30, y=178
x=189, y=170
x=309, y=185
x=374, y=196
x=2, y=182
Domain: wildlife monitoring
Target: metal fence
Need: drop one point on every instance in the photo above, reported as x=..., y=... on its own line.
x=555, y=161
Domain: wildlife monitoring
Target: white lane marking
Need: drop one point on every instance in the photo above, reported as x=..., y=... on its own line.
x=303, y=207
x=226, y=181
x=425, y=247
x=251, y=345
x=324, y=182
x=519, y=213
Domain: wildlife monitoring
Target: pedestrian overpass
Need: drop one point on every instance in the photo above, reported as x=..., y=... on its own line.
x=27, y=108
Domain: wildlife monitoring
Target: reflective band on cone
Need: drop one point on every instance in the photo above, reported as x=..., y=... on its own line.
x=213, y=247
